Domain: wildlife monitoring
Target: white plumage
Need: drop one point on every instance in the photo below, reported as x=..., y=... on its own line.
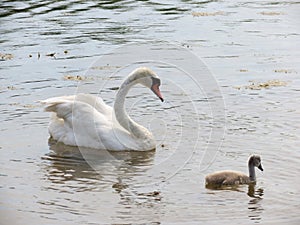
x=85, y=120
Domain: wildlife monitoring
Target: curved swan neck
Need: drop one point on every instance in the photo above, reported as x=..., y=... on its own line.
x=251, y=171
x=119, y=108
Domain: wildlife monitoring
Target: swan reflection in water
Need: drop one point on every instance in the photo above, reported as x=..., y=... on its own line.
x=73, y=170
x=107, y=168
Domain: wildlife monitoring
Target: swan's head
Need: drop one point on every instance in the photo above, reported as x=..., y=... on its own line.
x=256, y=161
x=149, y=79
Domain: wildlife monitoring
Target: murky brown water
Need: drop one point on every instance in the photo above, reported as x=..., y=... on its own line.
x=252, y=51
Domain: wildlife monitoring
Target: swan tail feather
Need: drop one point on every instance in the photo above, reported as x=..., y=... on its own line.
x=62, y=109
x=50, y=108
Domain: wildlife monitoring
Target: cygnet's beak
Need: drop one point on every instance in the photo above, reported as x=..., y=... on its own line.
x=155, y=89
x=260, y=167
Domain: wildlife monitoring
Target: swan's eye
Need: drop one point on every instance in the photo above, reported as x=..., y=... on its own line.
x=155, y=81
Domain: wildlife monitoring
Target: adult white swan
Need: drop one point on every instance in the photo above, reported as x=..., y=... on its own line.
x=85, y=120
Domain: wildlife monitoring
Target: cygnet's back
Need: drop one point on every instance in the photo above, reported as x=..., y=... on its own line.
x=228, y=177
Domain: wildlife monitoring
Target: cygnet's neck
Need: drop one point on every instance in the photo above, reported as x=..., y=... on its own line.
x=119, y=108
x=251, y=167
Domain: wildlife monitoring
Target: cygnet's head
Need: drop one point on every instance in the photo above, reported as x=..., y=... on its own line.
x=149, y=79
x=256, y=161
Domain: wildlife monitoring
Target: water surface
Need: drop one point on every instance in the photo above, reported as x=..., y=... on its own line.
x=240, y=42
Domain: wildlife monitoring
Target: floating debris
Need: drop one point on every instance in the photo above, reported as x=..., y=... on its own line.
x=284, y=71
x=119, y=186
x=29, y=106
x=271, y=13
x=154, y=194
x=77, y=78
x=51, y=55
x=107, y=67
x=14, y=104
x=198, y=14
x=243, y=70
x=263, y=85
x=66, y=51
x=11, y=88
x=114, y=88
x=30, y=56
x=6, y=56
x=185, y=45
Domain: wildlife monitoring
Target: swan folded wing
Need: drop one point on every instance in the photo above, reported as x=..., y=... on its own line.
x=60, y=126
x=95, y=102
x=77, y=113
x=74, y=123
x=79, y=124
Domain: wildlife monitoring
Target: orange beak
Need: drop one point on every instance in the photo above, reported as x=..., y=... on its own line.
x=155, y=89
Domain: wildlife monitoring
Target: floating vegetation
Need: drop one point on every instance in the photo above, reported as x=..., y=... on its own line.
x=27, y=106
x=271, y=13
x=198, y=14
x=6, y=56
x=77, y=78
x=263, y=85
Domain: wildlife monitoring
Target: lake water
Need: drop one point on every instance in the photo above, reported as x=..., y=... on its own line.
x=230, y=78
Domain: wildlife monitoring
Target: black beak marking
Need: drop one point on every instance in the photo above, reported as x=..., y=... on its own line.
x=260, y=167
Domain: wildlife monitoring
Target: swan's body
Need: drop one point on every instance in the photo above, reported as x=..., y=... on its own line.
x=228, y=177
x=85, y=120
